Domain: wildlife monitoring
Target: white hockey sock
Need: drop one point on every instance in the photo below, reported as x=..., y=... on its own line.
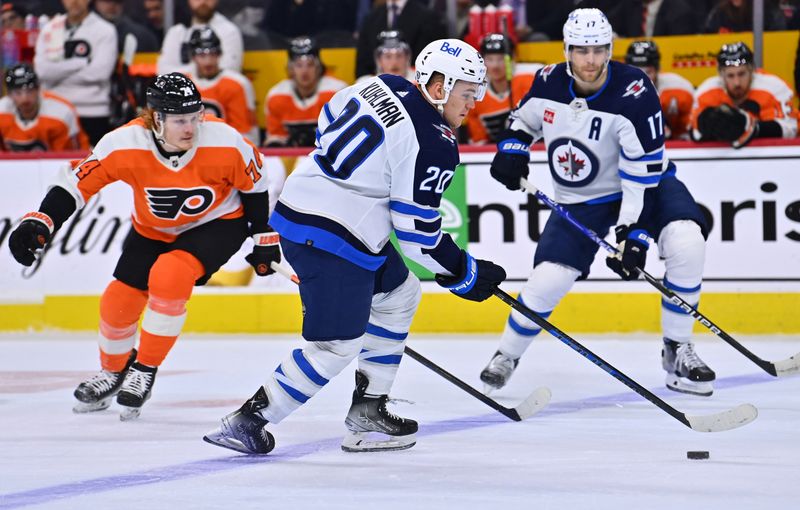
x=546, y=286
x=386, y=334
x=303, y=373
x=682, y=246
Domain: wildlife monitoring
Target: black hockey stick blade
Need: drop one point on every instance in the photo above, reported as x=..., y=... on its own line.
x=726, y=420
x=535, y=402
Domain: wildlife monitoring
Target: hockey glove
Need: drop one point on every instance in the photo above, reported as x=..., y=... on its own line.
x=266, y=250
x=728, y=123
x=477, y=281
x=632, y=244
x=510, y=164
x=32, y=234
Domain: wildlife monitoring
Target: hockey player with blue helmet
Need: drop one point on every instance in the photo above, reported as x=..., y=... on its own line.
x=602, y=124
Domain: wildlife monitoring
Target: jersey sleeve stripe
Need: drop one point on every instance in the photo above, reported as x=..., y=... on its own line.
x=654, y=156
x=413, y=210
x=327, y=111
x=646, y=180
x=427, y=241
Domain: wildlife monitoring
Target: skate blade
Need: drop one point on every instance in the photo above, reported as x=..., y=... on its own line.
x=218, y=438
x=684, y=385
x=356, y=442
x=129, y=413
x=91, y=407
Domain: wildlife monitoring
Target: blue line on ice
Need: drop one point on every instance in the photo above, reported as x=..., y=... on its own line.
x=218, y=465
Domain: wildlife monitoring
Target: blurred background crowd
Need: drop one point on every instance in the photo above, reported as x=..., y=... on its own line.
x=74, y=69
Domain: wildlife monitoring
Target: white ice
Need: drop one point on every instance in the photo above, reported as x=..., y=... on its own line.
x=597, y=445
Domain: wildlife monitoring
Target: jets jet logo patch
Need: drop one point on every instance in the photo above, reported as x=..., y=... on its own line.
x=169, y=203
x=634, y=88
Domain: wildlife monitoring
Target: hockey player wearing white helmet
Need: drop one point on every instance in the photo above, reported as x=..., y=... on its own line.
x=386, y=151
x=603, y=127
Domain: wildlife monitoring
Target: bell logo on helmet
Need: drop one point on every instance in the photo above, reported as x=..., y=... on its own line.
x=453, y=50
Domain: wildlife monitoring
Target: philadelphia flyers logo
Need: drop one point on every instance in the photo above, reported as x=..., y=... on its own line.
x=169, y=203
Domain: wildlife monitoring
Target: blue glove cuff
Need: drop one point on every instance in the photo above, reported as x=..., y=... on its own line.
x=470, y=277
x=513, y=146
x=640, y=236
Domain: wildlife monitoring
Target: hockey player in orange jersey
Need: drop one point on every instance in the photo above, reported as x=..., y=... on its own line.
x=36, y=120
x=227, y=94
x=293, y=105
x=199, y=190
x=742, y=103
x=488, y=119
x=675, y=92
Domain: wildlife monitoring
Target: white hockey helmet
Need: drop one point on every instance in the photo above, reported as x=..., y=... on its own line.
x=587, y=27
x=456, y=60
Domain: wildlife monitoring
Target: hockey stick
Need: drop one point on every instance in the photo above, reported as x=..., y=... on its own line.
x=537, y=400
x=726, y=420
x=789, y=366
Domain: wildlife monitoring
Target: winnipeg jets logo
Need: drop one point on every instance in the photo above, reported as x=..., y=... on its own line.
x=572, y=164
x=545, y=72
x=634, y=88
x=169, y=203
x=401, y=93
x=447, y=133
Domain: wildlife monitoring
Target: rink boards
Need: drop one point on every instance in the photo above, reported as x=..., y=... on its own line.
x=752, y=277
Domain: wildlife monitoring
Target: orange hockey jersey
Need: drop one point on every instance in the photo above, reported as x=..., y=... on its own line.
x=292, y=121
x=676, y=94
x=230, y=97
x=55, y=128
x=488, y=119
x=171, y=196
x=770, y=95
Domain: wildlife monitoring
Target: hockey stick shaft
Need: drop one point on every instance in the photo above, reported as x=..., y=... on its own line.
x=594, y=358
x=505, y=411
x=765, y=365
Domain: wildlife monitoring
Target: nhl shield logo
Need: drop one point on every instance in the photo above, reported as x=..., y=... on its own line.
x=572, y=164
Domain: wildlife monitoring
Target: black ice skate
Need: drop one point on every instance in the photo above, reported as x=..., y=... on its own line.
x=686, y=372
x=95, y=394
x=135, y=390
x=498, y=372
x=368, y=415
x=243, y=430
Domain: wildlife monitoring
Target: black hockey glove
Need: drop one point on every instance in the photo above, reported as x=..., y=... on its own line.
x=510, y=164
x=728, y=123
x=266, y=250
x=632, y=244
x=477, y=281
x=32, y=234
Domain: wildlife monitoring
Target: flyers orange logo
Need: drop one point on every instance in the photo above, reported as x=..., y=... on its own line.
x=168, y=203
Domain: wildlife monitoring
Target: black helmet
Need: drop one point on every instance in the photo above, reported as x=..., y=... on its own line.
x=204, y=40
x=21, y=76
x=734, y=55
x=303, y=47
x=391, y=40
x=643, y=54
x=497, y=43
x=173, y=93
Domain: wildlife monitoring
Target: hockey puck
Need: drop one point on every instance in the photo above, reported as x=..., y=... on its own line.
x=697, y=455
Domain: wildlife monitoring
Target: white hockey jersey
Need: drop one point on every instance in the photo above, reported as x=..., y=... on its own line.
x=600, y=148
x=384, y=157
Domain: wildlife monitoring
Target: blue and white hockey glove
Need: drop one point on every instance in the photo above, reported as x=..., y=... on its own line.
x=477, y=281
x=510, y=164
x=265, y=251
x=632, y=244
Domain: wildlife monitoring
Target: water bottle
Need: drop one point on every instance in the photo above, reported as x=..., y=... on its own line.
x=489, y=19
x=31, y=22
x=10, y=48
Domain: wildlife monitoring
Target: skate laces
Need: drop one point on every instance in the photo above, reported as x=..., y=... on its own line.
x=502, y=363
x=688, y=357
x=137, y=382
x=103, y=381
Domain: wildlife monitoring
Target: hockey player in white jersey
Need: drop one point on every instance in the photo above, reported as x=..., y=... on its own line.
x=386, y=151
x=602, y=124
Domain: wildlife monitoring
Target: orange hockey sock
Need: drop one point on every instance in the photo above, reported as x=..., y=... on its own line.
x=172, y=279
x=120, y=308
